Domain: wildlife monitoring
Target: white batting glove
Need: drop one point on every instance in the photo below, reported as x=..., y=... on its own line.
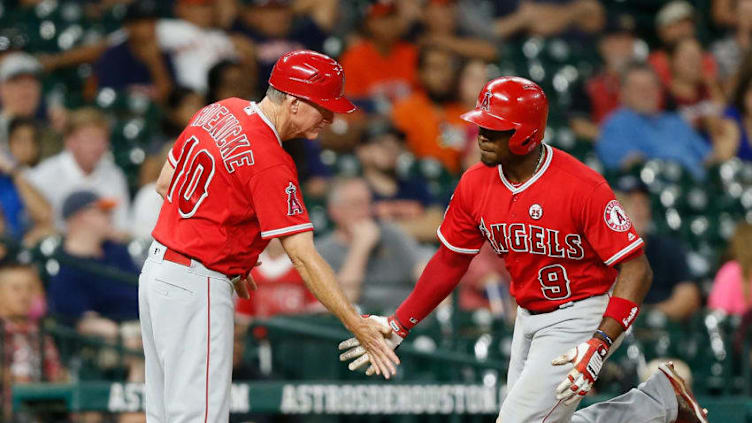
x=358, y=353
x=587, y=359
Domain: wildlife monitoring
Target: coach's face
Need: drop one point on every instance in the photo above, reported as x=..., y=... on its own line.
x=494, y=146
x=308, y=118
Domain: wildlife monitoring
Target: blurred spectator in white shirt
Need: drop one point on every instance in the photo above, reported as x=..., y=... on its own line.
x=85, y=163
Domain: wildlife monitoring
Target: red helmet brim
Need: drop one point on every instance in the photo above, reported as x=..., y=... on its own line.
x=487, y=120
x=337, y=105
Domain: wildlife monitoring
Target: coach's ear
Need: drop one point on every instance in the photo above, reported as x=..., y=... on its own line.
x=294, y=105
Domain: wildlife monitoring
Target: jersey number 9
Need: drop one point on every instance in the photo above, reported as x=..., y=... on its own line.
x=193, y=174
x=554, y=282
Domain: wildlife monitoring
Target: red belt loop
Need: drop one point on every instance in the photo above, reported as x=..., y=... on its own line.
x=175, y=257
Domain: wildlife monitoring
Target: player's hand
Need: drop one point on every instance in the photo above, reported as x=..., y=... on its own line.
x=587, y=359
x=355, y=351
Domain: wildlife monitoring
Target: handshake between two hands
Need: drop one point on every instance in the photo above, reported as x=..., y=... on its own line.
x=393, y=333
x=586, y=358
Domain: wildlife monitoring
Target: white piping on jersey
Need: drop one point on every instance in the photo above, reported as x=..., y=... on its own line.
x=288, y=229
x=173, y=162
x=623, y=252
x=452, y=247
x=266, y=120
x=535, y=177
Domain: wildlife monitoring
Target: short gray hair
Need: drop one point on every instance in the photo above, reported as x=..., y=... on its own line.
x=275, y=95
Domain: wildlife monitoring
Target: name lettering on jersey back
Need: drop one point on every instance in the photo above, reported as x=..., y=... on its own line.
x=527, y=238
x=227, y=132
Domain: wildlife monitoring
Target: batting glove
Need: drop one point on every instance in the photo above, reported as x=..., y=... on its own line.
x=358, y=353
x=587, y=359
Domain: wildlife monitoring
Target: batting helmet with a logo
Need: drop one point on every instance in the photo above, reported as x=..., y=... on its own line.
x=312, y=76
x=512, y=103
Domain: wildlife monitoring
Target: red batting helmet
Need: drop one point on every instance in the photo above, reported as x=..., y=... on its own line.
x=312, y=76
x=512, y=103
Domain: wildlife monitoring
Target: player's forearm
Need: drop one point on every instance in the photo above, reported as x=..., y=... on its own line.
x=441, y=276
x=632, y=284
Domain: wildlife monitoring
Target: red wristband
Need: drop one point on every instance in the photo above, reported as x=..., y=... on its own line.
x=397, y=326
x=622, y=310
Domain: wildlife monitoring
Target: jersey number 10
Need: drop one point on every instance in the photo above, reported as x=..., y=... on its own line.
x=193, y=174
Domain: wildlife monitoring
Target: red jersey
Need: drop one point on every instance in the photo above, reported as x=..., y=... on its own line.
x=560, y=233
x=281, y=290
x=233, y=190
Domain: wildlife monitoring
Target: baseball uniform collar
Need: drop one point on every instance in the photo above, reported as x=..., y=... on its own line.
x=535, y=177
x=263, y=117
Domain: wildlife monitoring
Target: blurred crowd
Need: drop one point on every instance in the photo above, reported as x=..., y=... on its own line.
x=93, y=93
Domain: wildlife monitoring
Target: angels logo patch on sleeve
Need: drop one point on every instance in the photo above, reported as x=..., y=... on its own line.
x=616, y=218
x=293, y=205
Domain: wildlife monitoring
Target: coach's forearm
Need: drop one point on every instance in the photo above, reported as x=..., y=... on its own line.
x=633, y=283
x=319, y=277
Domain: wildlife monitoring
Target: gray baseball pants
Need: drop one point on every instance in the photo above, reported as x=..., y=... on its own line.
x=532, y=380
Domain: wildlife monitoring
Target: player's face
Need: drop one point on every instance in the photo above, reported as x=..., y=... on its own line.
x=311, y=118
x=494, y=146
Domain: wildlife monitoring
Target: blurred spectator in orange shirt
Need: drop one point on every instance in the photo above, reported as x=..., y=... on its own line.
x=430, y=117
x=674, y=22
x=281, y=290
x=380, y=66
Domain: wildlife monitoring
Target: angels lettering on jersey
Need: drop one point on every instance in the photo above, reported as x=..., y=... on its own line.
x=527, y=238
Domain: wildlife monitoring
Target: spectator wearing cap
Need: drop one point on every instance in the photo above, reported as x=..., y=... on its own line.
x=277, y=27
x=85, y=163
x=673, y=292
x=600, y=94
x=640, y=130
x=399, y=198
x=20, y=90
x=96, y=283
x=133, y=59
x=674, y=22
x=381, y=66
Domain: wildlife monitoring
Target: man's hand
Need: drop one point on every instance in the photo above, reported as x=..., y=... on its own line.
x=242, y=283
x=587, y=359
x=365, y=233
x=355, y=351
